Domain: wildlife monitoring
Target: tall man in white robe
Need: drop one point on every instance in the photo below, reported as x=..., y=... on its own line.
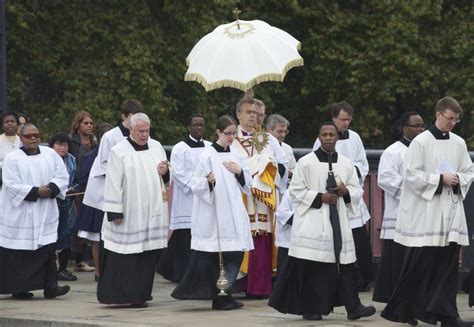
x=33, y=176
x=350, y=145
x=431, y=222
x=136, y=224
x=390, y=180
x=277, y=125
x=184, y=158
x=315, y=278
x=90, y=219
x=268, y=166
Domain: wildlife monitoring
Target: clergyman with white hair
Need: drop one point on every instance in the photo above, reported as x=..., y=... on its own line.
x=135, y=227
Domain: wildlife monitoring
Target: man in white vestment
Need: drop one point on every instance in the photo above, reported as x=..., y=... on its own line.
x=91, y=215
x=33, y=176
x=136, y=224
x=277, y=125
x=431, y=222
x=184, y=157
x=268, y=166
x=350, y=145
x=94, y=195
x=390, y=180
x=319, y=272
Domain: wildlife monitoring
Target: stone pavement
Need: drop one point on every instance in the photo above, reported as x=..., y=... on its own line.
x=80, y=308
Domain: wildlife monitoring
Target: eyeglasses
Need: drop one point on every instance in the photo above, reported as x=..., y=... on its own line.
x=451, y=119
x=88, y=123
x=32, y=135
x=230, y=133
x=283, y=132
x=250, y=112
x=62, y=145
x=197, y=125
x=417, y=126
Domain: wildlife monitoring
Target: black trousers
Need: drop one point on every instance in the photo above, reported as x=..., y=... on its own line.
x=363, y=250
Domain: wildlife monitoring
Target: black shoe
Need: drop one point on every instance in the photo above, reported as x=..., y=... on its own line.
x=67, y=276
x=96, y=278
x=312, y=316
x=226, y=305
x=363, y=287
x=138, y=305
x=56, y=290
x=22, y=296
x=238, y=305
x=361, y=311
x=412, y=322
x=458, y=322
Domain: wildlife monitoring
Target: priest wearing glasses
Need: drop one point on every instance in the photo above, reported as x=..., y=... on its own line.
x=431, y=222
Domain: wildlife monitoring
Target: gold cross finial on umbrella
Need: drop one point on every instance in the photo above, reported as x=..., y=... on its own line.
x=236, y=12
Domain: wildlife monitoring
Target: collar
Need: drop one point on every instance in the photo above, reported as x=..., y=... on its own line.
x=193, y=143
x=343, y=135
x=244, y=132
x=136, y=146
x=220, y=148
x=405, y=141
x=125, y=131
x=323, y=155
x=28, y=153
x=437, y=133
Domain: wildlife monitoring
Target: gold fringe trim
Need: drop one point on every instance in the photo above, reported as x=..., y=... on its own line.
x=244, y=86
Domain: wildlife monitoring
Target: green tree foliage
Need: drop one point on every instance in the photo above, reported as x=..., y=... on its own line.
x=384, y=57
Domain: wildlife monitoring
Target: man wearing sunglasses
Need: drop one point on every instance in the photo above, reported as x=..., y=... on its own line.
x=431, y=222
x=33, y=176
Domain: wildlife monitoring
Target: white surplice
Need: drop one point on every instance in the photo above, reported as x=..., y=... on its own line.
x=353, y=148
x=183, y=160
x=94, y=195
x=222, y=207
x=134, y=188
x=283, y=215
x=425, y=218
x=390, y=178
x=29, y=225
x=311, y=233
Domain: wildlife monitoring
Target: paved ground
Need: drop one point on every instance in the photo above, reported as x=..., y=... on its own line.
x=80, y=308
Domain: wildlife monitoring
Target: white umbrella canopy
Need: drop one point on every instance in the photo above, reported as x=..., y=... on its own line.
x=242, y=54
